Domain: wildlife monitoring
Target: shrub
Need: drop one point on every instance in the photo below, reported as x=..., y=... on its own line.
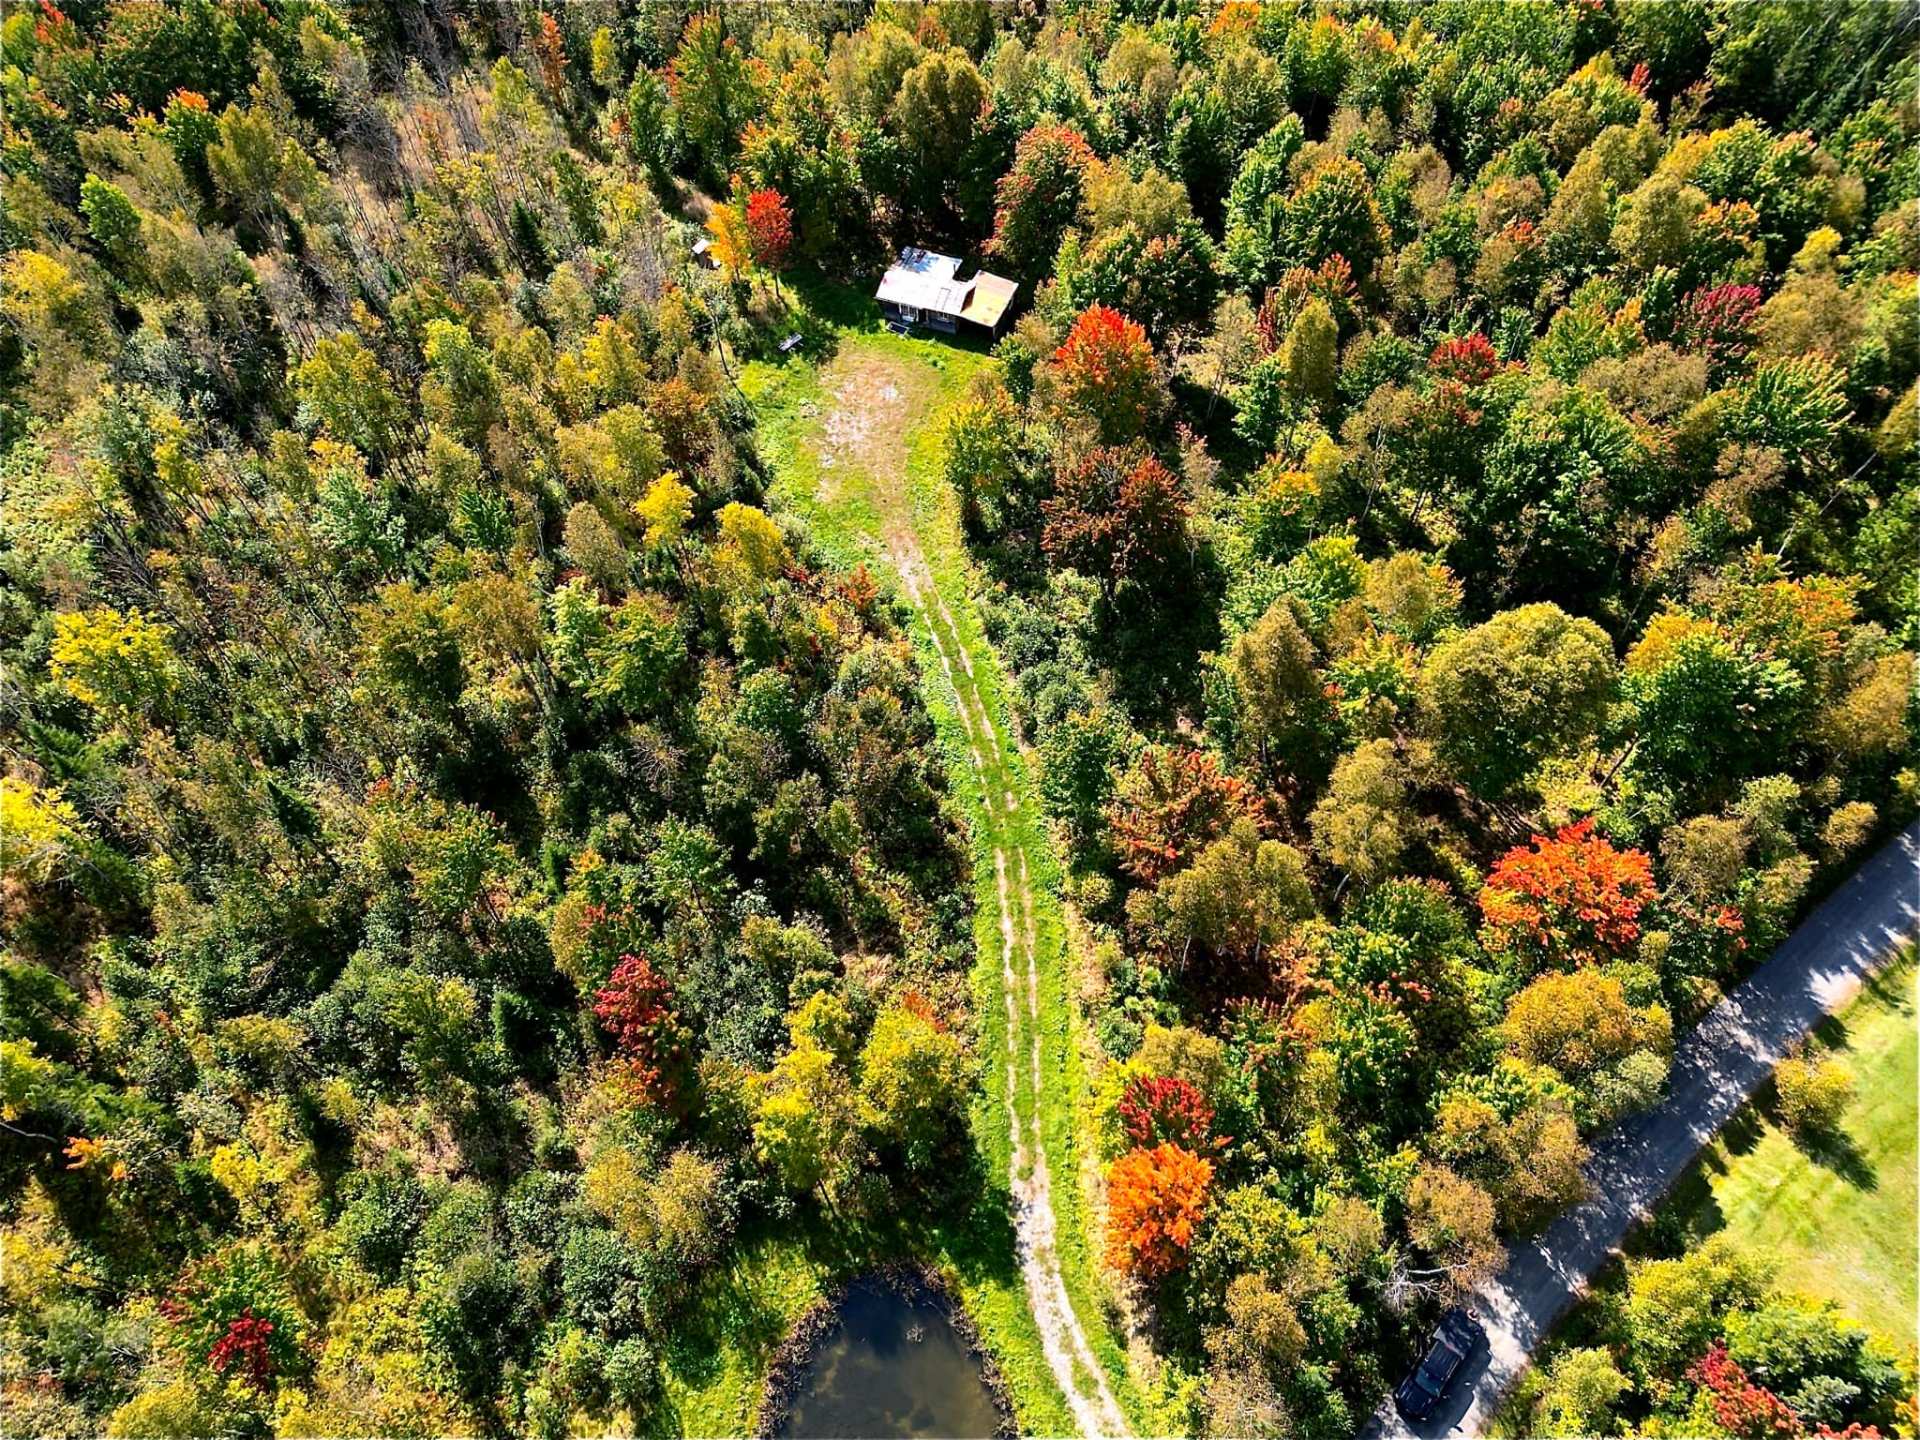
x=1813, y=1094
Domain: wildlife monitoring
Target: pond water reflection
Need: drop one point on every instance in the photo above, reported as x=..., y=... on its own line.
x=895, y=1367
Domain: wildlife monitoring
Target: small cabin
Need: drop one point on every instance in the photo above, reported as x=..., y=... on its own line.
x=923, y=288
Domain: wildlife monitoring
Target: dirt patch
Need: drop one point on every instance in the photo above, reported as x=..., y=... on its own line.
x=874, y=406
x=874, y=402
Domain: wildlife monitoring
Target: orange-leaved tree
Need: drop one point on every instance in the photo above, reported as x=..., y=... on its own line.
x=1105, y=370
x=1040, y=196
x=1170, y=804
x=1571, y=900
x=732, y=242
x=1155, y=1201
x=550, y=50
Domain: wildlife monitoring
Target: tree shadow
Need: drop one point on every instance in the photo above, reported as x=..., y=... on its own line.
x=1892, y=986
x=662, y=1418
x=1832, y=1033
x=490, y=1133
x=835, y=303
x=1689, y=1215
x=729, y=1309
x=980, y=1241
x=1737, y=1137
x=1838, y=1151
x=1150, y=637
x=819, y=337
x=1213, y=421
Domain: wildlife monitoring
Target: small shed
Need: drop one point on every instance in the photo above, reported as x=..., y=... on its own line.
x=925, y=288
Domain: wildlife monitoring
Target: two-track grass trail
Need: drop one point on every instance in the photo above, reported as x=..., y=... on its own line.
x=1069, y=1354
x=856, y=446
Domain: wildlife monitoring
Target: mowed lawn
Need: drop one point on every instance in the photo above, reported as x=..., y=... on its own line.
x=1836, y=1220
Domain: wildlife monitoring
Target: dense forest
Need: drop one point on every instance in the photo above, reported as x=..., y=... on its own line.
x=1448, y=507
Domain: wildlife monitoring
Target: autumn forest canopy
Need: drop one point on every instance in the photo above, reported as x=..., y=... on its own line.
x=481, y=873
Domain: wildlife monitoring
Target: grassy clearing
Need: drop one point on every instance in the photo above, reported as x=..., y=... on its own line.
x=716, y=1360
x=1835, y=1221
x=851, y=511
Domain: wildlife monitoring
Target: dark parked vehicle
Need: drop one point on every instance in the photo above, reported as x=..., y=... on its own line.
x=1453, y=1342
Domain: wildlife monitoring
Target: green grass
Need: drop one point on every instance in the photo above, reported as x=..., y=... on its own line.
x=1832, y=1221
x=848, y=513
x=718, y=1356
x=1836, y=1220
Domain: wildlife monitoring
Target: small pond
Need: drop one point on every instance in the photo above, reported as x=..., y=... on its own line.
x=893, y=1366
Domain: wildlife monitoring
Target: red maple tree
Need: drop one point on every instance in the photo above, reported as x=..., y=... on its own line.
x=1741, y=1407
x=769, y=229
x=1720, y=321
x=634, y=1007
x=1156, y=1109
x=1470, y=359
x=1331, y=281
x=1574, y=899
x=1040, y=195
x=247, y=1348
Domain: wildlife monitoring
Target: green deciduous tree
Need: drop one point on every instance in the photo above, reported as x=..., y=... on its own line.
x=1529, y=684
x=1366, y=821
x=1813, y=1093
x=1240, y=895
x=1675, y=1308
x=804, y=1115
x=1308, y=354
x=712, y=90
x=1707, y=711
x=914, y=1081
x=1583, y=1386
x=343, y=388
x=112, y=220
x=1285, y=717
x=936, y=111
x=1451, y=1220
x=982, y=458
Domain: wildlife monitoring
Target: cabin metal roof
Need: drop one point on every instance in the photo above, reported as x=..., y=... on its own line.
x=925, y=280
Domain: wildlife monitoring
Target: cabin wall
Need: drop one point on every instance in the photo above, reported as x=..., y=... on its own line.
x=928, y=319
